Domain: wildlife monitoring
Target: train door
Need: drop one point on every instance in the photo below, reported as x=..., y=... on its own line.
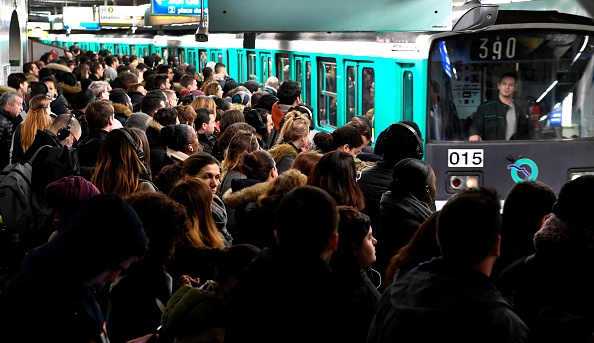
x=328, y=97
x=192, y=58
x=241, y=66
x=303, y=75
x=252, y=64
x=283, y=68
x=181, y=56
x=266, y=65
x=359, y=92
x=203, y=59
x=216, y=55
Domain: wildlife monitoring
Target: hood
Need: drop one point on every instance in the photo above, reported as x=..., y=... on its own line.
x=154, y=124
x=122, y=109
x=4, y=89
x=58, y=66
x=67, y=89
x=405, y=204
x=32, y=78
x=282, y=150
x=246, y=195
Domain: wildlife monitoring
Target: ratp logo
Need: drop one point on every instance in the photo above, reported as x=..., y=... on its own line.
x=523, y=169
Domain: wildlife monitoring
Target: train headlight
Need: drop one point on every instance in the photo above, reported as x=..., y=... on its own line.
x=457, y=181
x=574, y=174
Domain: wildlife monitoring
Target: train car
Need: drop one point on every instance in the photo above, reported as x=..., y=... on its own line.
x=395, y=76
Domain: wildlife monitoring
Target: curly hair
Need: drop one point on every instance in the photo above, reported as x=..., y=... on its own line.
x=280, y=186
x=163, y=220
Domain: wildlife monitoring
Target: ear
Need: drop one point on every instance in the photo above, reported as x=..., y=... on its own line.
x=496, y=248
x=345, y=148
x=204, y=126
x=333, y=242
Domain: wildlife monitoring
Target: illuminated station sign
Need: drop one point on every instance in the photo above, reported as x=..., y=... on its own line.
x=178, y=7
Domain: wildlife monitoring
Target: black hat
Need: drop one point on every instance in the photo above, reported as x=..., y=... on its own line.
x=69, y=79
x=252, y=85
x=136, y=97
x=83, y=98
x=39, y=88
x=266, y=101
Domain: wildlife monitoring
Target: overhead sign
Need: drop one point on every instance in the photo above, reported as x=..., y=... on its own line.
x=124, y=16
x=80, y=18
x=178, y=7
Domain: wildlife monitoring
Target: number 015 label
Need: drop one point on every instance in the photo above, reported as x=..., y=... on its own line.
x=465, y=158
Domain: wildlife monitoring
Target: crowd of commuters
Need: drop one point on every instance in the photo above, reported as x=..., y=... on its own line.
x=188, y=207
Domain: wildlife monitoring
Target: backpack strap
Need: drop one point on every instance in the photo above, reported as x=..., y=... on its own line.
x=37, y=152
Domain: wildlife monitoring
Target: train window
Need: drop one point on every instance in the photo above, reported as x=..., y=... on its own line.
x=283, y=71
x=251, y=63
x=266, y=61
x=203, y=59
x=164, y=54
x=407, y=82
x=220, y=58
x=132, y=50
x=302, y=75
x=241, y=67
x=351, y=94
x=368, y=90
x=328, y=102
x=181, y=56
x=307, y=83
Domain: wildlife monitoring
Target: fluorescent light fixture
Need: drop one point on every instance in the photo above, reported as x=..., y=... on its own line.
x=547, y=91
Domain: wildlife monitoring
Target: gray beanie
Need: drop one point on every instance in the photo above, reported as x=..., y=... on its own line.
x=138, y=120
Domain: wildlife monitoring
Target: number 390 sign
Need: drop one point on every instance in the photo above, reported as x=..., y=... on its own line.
x=465, y=158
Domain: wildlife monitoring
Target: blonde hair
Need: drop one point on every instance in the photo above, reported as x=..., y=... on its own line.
x=38, y=118
x=203, y=101
x=296, y=125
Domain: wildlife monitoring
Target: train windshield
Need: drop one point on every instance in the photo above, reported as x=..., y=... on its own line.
x=511, y=85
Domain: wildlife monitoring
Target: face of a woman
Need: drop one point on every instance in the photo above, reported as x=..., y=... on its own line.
x=366, y=252
x=219, y=91
x=212, y=175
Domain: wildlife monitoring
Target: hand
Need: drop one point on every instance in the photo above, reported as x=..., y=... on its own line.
x=187, y=280
x=475, y=138
x=145, y=339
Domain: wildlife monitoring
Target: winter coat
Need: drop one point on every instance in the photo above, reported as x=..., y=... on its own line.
x=284, y=296
x=284, y=155
x=253, y=224
x=438, y=302
x=401, y=216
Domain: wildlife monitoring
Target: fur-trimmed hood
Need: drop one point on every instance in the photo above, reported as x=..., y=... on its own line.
x=5, y=89
x=246, y=195
x=32, y=78
x=154, y=124
x=122, y=109
x=282, y=150
x=58, y=66
x=67, y=89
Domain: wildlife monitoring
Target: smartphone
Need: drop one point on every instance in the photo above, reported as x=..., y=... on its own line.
x=155, y=336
